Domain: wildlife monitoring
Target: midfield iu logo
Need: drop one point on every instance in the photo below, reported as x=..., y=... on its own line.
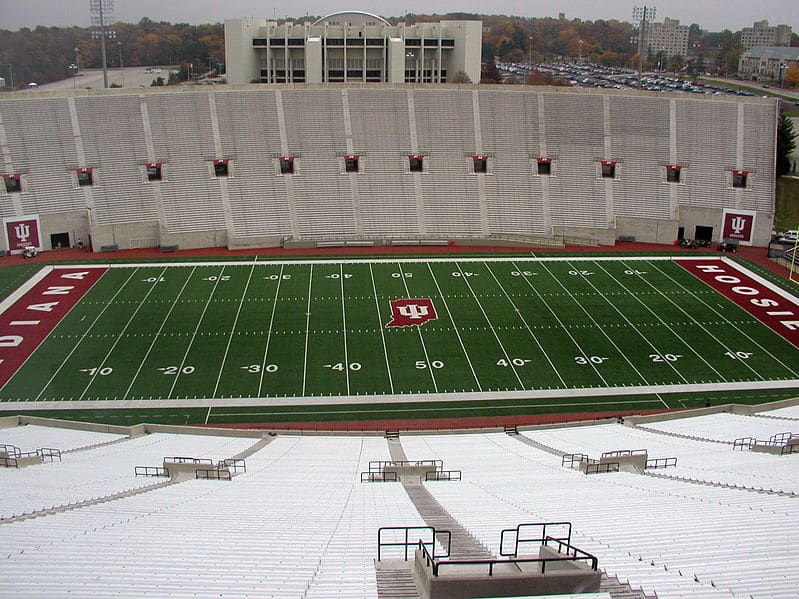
x=411, y=312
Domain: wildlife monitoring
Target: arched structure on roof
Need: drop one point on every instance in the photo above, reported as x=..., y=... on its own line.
x=351, y=17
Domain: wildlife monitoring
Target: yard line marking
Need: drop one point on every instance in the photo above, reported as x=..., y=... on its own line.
x=527, y=326
x=269, y=332
x=419, y=331
x=158, y=332
x=122, y=332
x=638, y=329
x=382, y=332
x=194, y=334
x=232, y=331
x=307, y=330
x=454, y=328
x=656, y=395
x=344, y=328
x=491, y=326
x=82, y=337
x=208, y=415
x=627, y=320
x=563, y=327
x=727, y=320
x=705, y=329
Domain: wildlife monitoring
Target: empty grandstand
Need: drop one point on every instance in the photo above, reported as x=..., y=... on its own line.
x=249, y=166
x=296, y=517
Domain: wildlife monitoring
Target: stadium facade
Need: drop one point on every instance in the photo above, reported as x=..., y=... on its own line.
x=351, y=46
x=265, y=165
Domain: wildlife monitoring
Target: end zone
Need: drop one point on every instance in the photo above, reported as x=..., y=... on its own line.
x=28, y=318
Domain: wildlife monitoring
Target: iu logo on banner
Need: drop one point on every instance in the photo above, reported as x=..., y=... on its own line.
x=411, y=312
x=738, y=226
x=22, y=233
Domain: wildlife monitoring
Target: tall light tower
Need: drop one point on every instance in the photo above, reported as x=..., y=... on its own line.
x=101, y=11
x=642, y=14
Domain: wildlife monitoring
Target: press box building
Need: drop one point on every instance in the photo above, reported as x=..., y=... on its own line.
x=351, y=46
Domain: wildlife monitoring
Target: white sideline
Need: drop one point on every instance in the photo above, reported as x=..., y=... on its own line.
x=400, y=399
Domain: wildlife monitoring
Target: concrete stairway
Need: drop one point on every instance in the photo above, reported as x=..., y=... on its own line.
x=536, y=444
x=722, y=485
x=395, y=579
x=678, y=435
x=621, y=590
x=253, y=448
x=96, y=445
x=96, y=501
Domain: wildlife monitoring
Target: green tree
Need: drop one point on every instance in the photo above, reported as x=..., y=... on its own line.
x=676, y=63
x=786, y=144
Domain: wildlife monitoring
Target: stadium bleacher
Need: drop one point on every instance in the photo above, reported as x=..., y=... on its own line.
x=300, y=521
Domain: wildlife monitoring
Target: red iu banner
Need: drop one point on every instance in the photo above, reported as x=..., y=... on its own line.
x=738, y=225
x=23, y=232
x=411, y=312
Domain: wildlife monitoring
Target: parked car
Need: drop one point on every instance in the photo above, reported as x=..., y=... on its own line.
x=788, y=237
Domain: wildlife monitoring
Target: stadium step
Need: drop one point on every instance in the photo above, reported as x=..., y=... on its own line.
x=396, y=451
x=536, y=444
x=678, y=435
x=95, y=445
x=710, y=483
x=395, y=579
x=263, y=442
x=621, y=590
x=464, y=545
x=96, y=501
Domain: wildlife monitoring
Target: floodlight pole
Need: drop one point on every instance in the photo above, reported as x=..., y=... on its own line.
x=11, y=74
x=102, y=45
x=121, y=67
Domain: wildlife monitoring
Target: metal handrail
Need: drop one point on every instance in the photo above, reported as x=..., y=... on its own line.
x=212, y=474
x=151, y=471
x=9, y=462
x=601, y=468
x=573, y=556
x=661, y=462
x=443, y=475
x=571, y=458
x=379, y=477
x=623, y=453
x=540, y=540
x=434, y=535
x=188, y=460
x=380, y=465
x=234, y=464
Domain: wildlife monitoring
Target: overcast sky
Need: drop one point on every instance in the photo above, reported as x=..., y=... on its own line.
x=713, y=15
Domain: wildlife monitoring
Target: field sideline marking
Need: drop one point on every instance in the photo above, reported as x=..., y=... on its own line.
x=527, y=326
x=158, y=332
x=194, y=334
x=760, y=386
x=233, y=330
x=727, y=320
x=91, y=326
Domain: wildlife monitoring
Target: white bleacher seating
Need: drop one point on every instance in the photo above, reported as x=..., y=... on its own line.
x=32, y=437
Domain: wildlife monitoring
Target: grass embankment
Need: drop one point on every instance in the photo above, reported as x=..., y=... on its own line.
x=787, y=208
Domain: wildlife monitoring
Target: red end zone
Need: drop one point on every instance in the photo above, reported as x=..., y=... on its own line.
x=772, y=306
x=29, y=320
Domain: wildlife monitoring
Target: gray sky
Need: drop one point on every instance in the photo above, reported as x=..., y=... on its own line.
x=713, y=15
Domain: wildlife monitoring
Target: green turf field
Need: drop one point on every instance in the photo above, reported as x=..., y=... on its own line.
x=512, y=328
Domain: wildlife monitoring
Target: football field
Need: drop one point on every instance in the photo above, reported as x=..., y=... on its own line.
x=381, y=330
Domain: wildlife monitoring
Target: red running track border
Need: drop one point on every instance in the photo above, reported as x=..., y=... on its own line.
x=30, y=319
x=772, y=306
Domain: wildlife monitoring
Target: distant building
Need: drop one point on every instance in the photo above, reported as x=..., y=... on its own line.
x=764, y=63
x=669, y=37
x=761, y=34
x=351, y=46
